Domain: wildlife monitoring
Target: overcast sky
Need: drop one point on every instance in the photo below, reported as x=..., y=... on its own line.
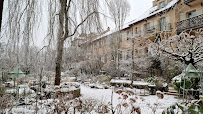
x=138, y=7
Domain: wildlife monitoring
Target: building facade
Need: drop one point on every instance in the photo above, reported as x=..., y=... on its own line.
x=163, y=20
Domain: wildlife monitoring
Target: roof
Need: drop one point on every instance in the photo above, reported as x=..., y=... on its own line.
x=112, y=31
x=153, y=11
x=17, y=73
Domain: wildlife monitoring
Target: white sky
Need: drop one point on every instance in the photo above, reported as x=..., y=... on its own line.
x=138, y=7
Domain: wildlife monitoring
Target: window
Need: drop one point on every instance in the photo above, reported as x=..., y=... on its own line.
x=192, y=14
x=129, y=53
x=136, y=31
x=161, y=4
x=130, y=34
x=121, y=55
x=147, y=26
x=162, y=24
x=106, y=42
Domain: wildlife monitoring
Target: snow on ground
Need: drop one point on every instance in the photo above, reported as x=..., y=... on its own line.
x=146, y=103
x=104, y=95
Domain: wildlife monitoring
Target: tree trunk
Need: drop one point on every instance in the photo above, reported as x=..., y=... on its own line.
x=62, y=35
x=1, y=11
x=59, y=61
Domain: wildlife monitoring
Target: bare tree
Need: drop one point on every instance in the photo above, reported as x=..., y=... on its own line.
x=118, y=11
x=69, y=25
x=19, y=25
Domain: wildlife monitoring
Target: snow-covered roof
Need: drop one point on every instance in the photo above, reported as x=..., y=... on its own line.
x=112, y=31
x=153, y=10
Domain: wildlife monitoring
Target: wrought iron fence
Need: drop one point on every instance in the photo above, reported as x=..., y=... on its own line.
x=191, y=23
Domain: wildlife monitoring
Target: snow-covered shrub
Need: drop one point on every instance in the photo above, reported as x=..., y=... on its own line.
x=102, y=79
x=178, y=82
x=174, y=71
x=6, y=103
x=152, y=80
x=127, y=102
x=192, y=107
x=160, y=94
x=77, y=105
x=25, y=90
x=2, y=91
x=158, y=82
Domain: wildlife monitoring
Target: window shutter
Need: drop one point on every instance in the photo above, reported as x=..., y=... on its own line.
x=182, y=16
x=199, y=11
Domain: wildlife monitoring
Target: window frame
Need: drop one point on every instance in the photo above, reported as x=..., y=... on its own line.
x=191, y=12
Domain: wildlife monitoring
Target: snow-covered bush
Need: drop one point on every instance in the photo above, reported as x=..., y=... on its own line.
x=178, y=82
x=157, y=81
x=6, y=103
x=2, y=91
x=174, y=71
x=192, y=107
x=127, y=102
x=77, y=105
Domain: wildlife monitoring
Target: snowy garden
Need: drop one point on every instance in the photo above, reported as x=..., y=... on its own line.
x=57, y=58
x=107, y=96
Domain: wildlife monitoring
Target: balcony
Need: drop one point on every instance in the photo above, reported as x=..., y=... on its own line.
x=191, y=23
x=151, y=31
x=192, y=2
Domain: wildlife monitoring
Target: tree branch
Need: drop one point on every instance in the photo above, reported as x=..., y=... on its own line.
x=199, y=60
x=68, y=7
x=80, y=24
x=178, y=57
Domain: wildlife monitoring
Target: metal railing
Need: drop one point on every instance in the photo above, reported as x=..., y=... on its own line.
x=190, y=23
x=154, y=29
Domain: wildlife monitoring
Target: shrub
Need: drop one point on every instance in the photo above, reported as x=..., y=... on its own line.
x=193, y=107
x=6, y=103
x=2, y=91
x=178, y=83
